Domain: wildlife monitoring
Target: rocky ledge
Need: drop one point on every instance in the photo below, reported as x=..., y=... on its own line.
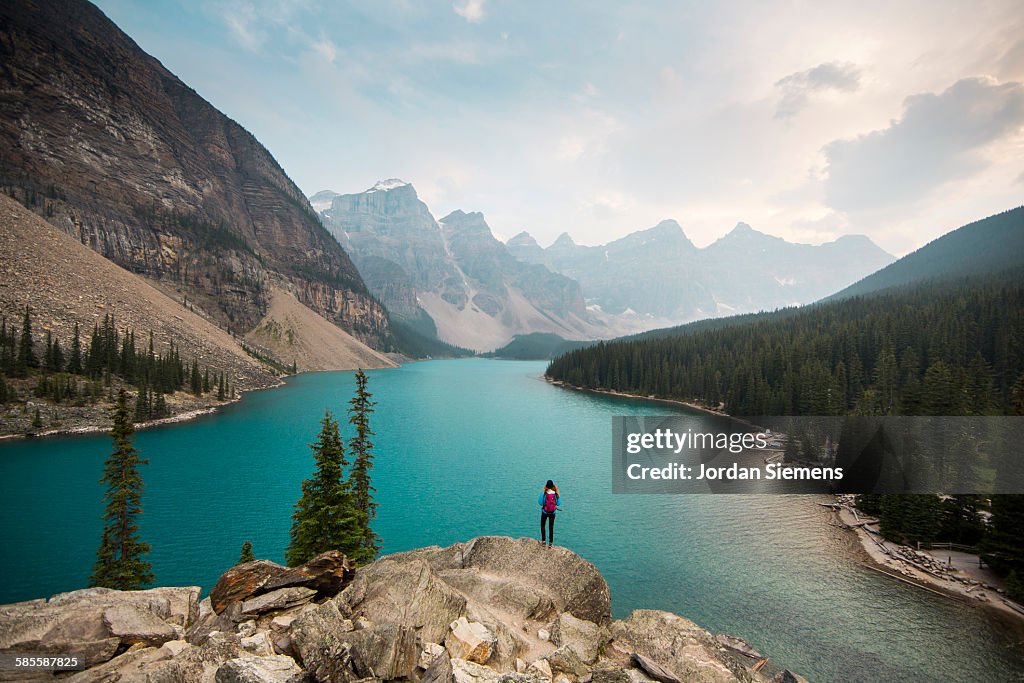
x=492, y=610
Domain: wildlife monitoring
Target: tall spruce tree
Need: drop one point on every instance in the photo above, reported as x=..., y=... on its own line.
x=119, y=559
x=26, y=354
x=361, y=449
x=75, y=361
x=325, y=517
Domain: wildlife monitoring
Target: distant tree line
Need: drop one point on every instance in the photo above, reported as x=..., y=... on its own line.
x=77, y=372
x=925, y=350
x=951, y=348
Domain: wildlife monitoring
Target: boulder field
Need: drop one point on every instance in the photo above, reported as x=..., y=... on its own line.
x=491, y=610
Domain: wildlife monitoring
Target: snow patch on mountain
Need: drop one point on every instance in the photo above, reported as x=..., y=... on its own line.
x=389, y=184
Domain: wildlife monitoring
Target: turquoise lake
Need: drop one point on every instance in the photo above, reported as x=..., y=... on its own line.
x=462, y=449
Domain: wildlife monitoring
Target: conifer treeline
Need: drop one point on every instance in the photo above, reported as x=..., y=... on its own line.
x=72, y=371
x=926, y=350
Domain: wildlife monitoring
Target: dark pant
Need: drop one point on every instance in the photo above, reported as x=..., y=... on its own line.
x=548, y=517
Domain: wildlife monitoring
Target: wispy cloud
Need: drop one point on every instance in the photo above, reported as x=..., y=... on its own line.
x=798, y=88
x=326, y=49
x=939, y=138
x=241, y=18
x=470, y=10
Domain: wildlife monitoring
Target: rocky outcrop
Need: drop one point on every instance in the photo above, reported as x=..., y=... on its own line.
x=324, y=575
x=97, y=623
x=492, y=610
x=108, y=145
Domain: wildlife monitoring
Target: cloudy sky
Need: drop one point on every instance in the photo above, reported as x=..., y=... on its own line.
x=899, y=120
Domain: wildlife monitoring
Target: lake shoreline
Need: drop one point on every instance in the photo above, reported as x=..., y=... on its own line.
x=886, y=561
x=92, y=425
x=621, y=394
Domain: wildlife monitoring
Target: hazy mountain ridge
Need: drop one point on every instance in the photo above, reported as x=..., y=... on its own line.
x=452, y=276
x=659, y=273
x=105, y=143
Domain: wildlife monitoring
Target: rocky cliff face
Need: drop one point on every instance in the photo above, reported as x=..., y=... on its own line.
x=659, y=275
x=105, y=143
x=452, y=276
x=492, y=610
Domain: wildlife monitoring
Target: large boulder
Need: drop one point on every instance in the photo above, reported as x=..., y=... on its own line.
x=244, y=581
x=128, y=666
x=387, y=651
x=272, y=669
x=506, y=594
x=470, y=640
x=326, y=574
x=440, y=669
x=277, y=600
x=329, y=648
x=669, y=648
x=199, y=663
x=575, y=584
x=586, y=638
x=97, y=623
x=404, y=590
x=133, y=625
x=565, y=660
x=465, y=671
x=317, y=643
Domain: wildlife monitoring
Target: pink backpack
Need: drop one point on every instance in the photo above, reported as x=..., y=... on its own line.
x=550, y=502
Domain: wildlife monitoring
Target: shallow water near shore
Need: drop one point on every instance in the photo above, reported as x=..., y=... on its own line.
x=463, y=447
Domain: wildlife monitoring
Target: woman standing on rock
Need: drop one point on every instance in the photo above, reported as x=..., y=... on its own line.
x=548, y=502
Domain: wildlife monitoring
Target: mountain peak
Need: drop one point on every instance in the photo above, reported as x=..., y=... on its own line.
x=389, y=184
x=670, y=227
x=322, y=200
x=744, y=233
x=523, y=239
x=460, y=216
x=564, y=240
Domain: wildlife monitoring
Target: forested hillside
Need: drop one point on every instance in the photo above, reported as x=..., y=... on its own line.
x=990, y=245
x=950, y=349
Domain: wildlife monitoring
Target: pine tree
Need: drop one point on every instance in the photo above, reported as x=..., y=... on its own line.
x=4, y=391
x=246, y=555
x=887, y=376
x=1017, y=402
x=220, y=388
x=26, y=355
x=195, y=382
x=325, y=517
x=361, y=448
x=57, y=356
x=141, y=409
x=119, y=559
x=37, y=420
x=48, y=353
x=75, y=361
